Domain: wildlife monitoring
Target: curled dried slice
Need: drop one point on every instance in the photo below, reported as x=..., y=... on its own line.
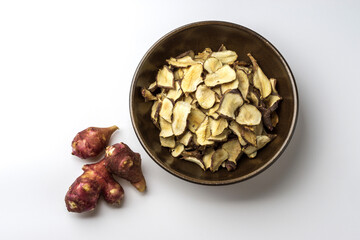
x=248, y=115
x=166, y=109
x=180, y=114
x=179, y=74
x=192, y=78
x=224, y=74
x=229, y=103
x=212, y=111
x=258, y=129
x=205, y=96
x=254, y=98
x=203, y=133
x=155, y=109
x=175, y=152
x=261, y=141
x=248, y=135
x=175, y=94
x=212, y=64
x=236, y=129
x=203, y=55
x=229, y=86
x=207, y=157
x=272, y=102
x=222, y=137
x=243, y=82
x=226, y=56
x=219, y=156
x=233, y=148
x=181, y=62
x=274, y=119
x=168, y=142
x=147, y=95
x=195, y=160
x=195, y=118
x=165, y=78
x=186, y=138
x=260, y=80
x=217, y=126
x=152, y=86
x=166, y=129
x=273, y=85
x=218, y=92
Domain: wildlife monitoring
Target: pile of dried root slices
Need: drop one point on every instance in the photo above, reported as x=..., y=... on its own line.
x=211, y=108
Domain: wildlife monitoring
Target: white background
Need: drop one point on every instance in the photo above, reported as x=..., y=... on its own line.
x=67, y=65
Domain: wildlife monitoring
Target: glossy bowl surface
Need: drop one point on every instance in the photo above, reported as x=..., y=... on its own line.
x=196, y=37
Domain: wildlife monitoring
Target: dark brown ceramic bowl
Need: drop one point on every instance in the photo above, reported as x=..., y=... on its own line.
x=197, y=36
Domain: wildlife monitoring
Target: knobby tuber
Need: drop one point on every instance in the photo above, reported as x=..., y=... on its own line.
x=91, y=141
x=96, y=180
x=123, y=162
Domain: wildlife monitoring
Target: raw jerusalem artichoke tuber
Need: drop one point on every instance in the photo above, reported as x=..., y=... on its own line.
x=84, y=193
x=91, y=141
x=123, y=162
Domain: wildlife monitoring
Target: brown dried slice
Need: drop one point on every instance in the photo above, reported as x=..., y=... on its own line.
x=181, y=112
x=203, y=133
x=166, y=109
x=166, y=129
x=243, y=82
x=259, y=129
x=219, y=156
x=272, y=102
x=207, y=157
x=152, y=87
x=243, y=67
x=175, y=152
x=155, y=109
x=182, y=62
x=229, y=103
x=254, y=98
x=147, y=95
x=274, y=119
x=165, y=78
x=212, y=64
x=205, y=96
x=260, y=80
x=233, y=148
x=186, y=138
x=195, y=160
x=167, y=142
x=175, y=94
x=248, y=115
x=248, y=135
x=217, y=126
x=195, y=118
x=229, y=86
x=222, y=137
x=226, y=56
x=224, y=74
x=192, y=78
x=236, y=129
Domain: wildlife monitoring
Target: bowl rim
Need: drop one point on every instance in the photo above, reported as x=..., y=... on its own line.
x=237, y=179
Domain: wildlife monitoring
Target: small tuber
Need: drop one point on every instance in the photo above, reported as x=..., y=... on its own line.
x=91, y=141
x=84, y=193
x=123, y=162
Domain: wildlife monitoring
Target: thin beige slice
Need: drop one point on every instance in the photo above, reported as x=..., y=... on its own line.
x=175, y=152
x=175, y=94
x=207, y=157
x=261, y=141
x=179, y=74
x=212, y=64
x=166, y=109
x=248, y=135
x=203, y=133
x=233, y=148
x=166, y=129
x=222, y=137
x=272, y=102
x=155, y=109
x=186, y=138
x=243, y=82
x=195, y=118
x=212, y=111
x=152, y=86
x=229, y=86
x=182, y=62
x=248, y=115
x=217, y=126
x=226, y=57
x=219, y=156
x=229, y=103
x=236, y=129
x=181, y=112
x=202, y=56
x=165, y=78
x=168, y=142
x=205, y=96
x=192, y=78
x=260, y=80
x=223, y=75
x=147, y=95
x=273, y=82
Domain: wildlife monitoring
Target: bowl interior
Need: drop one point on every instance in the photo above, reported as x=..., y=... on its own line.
x=197, y=37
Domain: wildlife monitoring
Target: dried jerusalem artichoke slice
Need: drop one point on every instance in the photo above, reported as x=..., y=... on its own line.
x=217, y=126
x=229, y=86
x=152, y=86
x=243, y=82
x=192, y=78
x=248, y=135
x=212, y=111
x=175, y=152
x=207, y=157
x=261, y=141
x=223, y=75
x=195, y=160
x=212, y=64
x=273, y=85
x=166, y=109
x=222, y=137
x=186, y=138
x=181, y=112
x=203, y=133
x=181, y=62
x=167, y=142
x=202, y=56
x=236, y=129
x=260, y=80
x=155, y=109
x=248, y=115
x=274, y=119
x=219, y=156
x=229, y=103
x=233, y=148
x=147, y=95
x=226, y=56
x=196, y=117
x=165, y=78
x=205, y=96
x=272, y=102
x=166, y=129
x=175, y=94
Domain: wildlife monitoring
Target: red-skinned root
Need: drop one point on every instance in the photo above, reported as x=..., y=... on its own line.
x=84, y=193
x=123, y=162
x=91, y=141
